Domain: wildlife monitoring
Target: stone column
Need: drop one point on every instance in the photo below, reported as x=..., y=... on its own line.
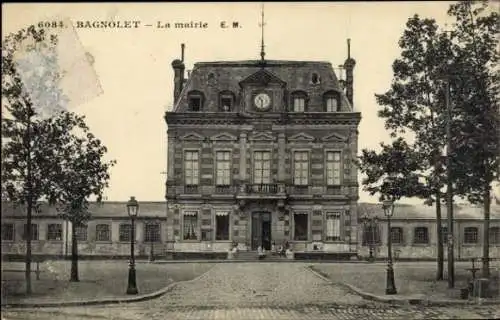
x=243, y=156
x=281, y=157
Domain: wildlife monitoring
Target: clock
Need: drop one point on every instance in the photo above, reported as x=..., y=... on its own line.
x=262, y=101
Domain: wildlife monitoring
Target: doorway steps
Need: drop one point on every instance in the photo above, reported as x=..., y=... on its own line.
x=253, y=256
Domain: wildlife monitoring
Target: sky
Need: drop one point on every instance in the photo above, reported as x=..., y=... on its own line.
x=122, y=79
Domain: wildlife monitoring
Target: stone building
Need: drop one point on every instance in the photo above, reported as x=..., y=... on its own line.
x=261, y=152
x=414, y=233
x=107, y=234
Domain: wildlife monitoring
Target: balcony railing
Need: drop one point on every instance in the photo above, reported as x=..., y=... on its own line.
x=262, y=188
x=224, y=189
x=191, y=189
x=299, y=189
x=334, y=190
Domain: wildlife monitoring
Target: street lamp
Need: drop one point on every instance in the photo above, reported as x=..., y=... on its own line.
x=133, y=210
x=370, y=224
x=388, y=206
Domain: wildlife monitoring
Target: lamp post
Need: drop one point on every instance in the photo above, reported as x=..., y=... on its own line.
x=370, y=224
x=388, y=206
x=133, y=210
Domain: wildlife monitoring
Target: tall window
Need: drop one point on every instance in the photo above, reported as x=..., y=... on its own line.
x=333, y=168
x=331, y=104
x=34, y=232
x=299, y=102
x=125, y=232
x=81, y=232
x=262, y=167
x=301, y=168
x=191, y=168
x=226, y=101
x=470, y=235
x=190, y=225
x=152, y=232
x=102, y=232
x=223, y=168
x=195, y=101
x=8, y=231
x=221, y=225
x=371, y=234
x=333, y=226
x=421, y=235
x=54, y=231
x=494, y=235
x=301, y=226
x=397, y=235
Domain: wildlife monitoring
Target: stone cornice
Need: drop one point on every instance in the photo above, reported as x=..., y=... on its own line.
x=217, y=118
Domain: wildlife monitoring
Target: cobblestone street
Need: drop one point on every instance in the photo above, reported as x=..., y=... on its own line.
x=257, y=291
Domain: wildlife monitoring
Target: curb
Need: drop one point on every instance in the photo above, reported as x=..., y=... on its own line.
x=107, y=301
x=253, y=261
x=401, y=300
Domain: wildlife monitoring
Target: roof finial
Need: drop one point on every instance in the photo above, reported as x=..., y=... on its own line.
x=348, y=48
x=262, y=53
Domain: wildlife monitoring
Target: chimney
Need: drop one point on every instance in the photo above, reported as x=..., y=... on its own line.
x=178, y=66
x=349, y=68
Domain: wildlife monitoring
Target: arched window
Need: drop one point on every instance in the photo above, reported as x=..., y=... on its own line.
x=195, y=101
x=470, y=235
x=226, y=101
x=299, y=101
x=397, y=235
x=494, y=235
x=331, y=101
x=371, y=234
x=421, y=235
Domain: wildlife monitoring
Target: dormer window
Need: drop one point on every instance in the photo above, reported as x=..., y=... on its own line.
x=332, y=102
x=299, y=100
x=226, y=101
x=195, y=101
x=315, y=78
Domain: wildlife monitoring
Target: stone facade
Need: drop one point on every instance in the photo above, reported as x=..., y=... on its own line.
x=261, y=210
x=418, y=234
x=110, y=244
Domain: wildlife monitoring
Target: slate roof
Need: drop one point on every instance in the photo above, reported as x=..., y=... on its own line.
x=116, y=209
x=407, y=211
x=112, y=209
x=227, y=75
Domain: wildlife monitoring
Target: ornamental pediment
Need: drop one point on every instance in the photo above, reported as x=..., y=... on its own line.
x=192, y=136
x=223, y=137
x=334, y=137
x=301, y=137
x=262, y=77
x=262, y=136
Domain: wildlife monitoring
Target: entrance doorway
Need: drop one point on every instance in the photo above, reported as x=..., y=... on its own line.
x=261, y=230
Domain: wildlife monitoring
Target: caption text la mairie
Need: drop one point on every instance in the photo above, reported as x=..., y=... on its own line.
x=129, y=24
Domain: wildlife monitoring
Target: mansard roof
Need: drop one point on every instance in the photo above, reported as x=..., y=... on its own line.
x=421, y=211
x=105, y=209
x=211, y=78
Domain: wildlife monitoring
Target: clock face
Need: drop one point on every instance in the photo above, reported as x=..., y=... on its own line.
x=262, y=101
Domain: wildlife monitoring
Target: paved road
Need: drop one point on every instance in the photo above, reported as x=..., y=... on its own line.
x=256, y=291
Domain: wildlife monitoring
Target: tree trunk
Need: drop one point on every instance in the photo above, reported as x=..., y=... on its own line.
x=440, y=248
x=29, y=229
x=486, y=232
x=74, y=254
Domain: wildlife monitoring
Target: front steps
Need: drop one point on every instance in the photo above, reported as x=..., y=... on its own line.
x=253, y=256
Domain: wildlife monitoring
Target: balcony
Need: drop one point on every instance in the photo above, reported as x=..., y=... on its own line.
x=224, y=189
x=190, y=189
x=262, y=191
x=262, y=188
